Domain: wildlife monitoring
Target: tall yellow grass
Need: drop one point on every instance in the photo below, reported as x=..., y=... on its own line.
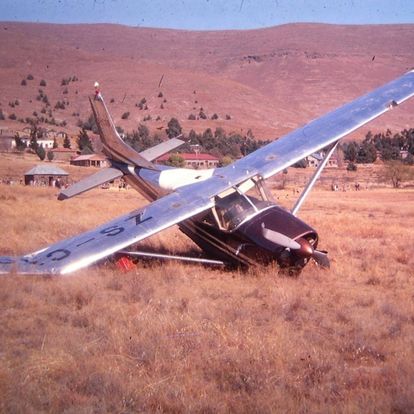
x=183, y=338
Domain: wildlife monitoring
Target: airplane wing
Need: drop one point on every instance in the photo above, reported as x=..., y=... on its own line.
x=80, y=251
x=318, y=134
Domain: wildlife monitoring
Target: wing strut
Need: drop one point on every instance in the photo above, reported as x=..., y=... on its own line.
x=315, y=176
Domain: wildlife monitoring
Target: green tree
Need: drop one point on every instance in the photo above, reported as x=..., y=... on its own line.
x=351, y=152
x=176, y=160
x=66, y=142
x=35, y=133
x=84, y=141
x=50, y=155
x=55, y=144
x=367, y=153
x=174, y=128
x=20, y=145
x=226, y=160
x=41, y=153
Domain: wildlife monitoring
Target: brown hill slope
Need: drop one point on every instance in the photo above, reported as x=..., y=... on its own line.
x=270, y=80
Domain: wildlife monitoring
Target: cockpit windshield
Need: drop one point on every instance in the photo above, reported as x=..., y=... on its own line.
x=234, y=206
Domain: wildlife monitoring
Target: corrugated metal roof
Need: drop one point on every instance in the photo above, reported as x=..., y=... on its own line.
x=46, y=169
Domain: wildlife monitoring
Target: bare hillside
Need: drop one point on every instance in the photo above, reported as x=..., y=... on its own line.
x=270, y=80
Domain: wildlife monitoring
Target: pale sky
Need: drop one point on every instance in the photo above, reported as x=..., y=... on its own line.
x=208, y=14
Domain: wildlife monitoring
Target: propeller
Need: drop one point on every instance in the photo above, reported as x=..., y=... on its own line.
x=301, y=246
x=279, y=238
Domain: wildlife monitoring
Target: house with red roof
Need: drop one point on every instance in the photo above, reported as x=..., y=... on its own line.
x=193, y=160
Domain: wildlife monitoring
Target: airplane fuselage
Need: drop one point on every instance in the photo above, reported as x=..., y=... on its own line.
x=237, y=237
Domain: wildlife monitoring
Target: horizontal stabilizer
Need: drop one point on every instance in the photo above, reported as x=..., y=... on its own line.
x=94, y=180
x=152, y=153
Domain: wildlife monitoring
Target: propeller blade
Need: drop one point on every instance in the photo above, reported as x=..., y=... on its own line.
x=280, y=239
x=321, y=258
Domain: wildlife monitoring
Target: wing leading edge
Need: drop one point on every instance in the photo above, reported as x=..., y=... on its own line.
x=80, y=251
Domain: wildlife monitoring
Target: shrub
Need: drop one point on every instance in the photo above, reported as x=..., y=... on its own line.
x=65, y=91
x=13, y=117
x=125, y=115
x=215, y=116
x=2, y=117
x=30, y=76
x=351, y=167
x=42, y=82
x=202, y=115
x=60, y=105
x=228, y=117
x=160, y=95
x=191, y=117
x=23, y=82
x=50, y=155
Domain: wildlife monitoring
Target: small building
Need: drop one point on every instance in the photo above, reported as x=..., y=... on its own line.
x=7, y=143
x=193, y=160
x=46, y=143
x=315, y=159
x=90, y=160
x=46, y=175
x=63, y=154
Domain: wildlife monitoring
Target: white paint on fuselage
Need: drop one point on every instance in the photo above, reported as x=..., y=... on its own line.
x=171, y=179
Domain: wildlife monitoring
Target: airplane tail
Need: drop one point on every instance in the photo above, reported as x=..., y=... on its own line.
x=113, y=145
x=119, y=153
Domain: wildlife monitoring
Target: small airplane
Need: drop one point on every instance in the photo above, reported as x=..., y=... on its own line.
x=228, y=212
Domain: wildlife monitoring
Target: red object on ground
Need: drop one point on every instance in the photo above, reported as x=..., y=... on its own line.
x=125, y=264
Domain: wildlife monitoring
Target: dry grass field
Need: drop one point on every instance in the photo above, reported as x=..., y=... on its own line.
x=169, y=337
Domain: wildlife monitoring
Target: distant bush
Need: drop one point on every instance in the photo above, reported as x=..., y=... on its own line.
x=228, y=117
x=65, y=91
x=13, y=117
x=192, y=117
x=202, y=115
x=112, y=100
x=215, y=116
x=125, y=115
x=351, y=167
x=2, y=118
x=42, y=83
x=142, y=104
x=23, y=82
x=60, y=105
x=160, y=95
x=30, y=77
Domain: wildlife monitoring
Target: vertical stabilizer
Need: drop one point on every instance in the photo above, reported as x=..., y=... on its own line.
x=113, y=146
